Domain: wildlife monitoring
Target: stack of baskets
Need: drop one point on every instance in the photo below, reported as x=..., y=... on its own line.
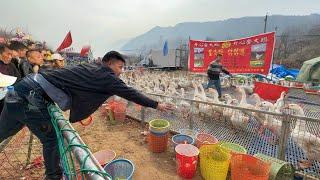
x=158, y=135
x=216, y=158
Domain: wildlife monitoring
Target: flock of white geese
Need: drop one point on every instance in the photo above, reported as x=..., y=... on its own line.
x=175, y=84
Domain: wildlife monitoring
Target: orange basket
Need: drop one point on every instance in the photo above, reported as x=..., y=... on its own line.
x=245, y=167
x=158, y=143
x=119, y=110
x=86, y=122
x=203, y=138
x=119, y=115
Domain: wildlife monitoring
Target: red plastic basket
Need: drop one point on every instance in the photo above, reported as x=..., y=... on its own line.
x=187, y=160
x=119, y=109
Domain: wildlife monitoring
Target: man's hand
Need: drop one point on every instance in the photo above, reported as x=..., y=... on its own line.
x=165, y=107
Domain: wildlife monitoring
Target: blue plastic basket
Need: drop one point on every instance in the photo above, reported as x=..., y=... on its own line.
x=181, y=139
x=120, y=169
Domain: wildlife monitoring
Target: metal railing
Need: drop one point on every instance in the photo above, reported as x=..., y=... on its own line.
x=89, y=166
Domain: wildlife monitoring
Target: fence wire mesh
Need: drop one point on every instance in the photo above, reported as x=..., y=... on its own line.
x=21, y=158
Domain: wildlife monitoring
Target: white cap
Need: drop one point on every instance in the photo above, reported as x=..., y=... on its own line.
x=6, y=80
x=57, y=56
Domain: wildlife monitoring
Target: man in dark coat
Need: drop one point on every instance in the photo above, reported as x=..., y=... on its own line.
x=80, y=89
x=6, y=66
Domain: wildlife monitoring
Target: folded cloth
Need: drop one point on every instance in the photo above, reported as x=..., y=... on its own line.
x=56, y=94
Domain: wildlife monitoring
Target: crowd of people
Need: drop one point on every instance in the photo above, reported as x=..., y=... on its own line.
x=20, y=58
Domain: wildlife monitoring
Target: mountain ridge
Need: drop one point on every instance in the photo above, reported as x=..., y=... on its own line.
x=232, y=28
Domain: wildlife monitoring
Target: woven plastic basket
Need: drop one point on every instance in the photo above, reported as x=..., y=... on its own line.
x=245, y=167
x=214, y=162
x=159, y=126
x=235, y=148
x=120, y=169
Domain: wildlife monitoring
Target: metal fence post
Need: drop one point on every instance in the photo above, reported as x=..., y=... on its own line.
x=143, y=111
x=29, y=148
x=191, y=115
x=283, y=139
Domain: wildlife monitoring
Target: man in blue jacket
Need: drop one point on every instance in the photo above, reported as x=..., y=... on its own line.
x=80, y=89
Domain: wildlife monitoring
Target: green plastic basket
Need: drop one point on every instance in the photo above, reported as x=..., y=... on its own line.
x=280, y=170
x=159, y=126
x=235, y=148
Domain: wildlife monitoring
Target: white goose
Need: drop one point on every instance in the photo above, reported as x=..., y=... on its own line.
x=309, y=142
x=238, y=119
x=280, y=102
x=227, y=112
x=243, y=102
x=271, y=122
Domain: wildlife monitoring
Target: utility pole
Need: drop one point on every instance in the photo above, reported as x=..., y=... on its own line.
x=265, y=23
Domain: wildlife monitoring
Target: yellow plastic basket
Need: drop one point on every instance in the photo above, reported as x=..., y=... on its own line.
x=214, y=162
x=235, y=148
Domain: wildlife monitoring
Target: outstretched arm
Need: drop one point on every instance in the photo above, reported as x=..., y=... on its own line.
x=119, y=88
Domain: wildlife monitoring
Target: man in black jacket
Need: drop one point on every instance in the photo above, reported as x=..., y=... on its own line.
x=81, y=89
x=19, y=51
x=6, y=66
x=214, y=70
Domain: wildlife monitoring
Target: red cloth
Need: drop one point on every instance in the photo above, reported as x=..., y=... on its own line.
x=269, y=91
x=66, y=42
x=84, y=51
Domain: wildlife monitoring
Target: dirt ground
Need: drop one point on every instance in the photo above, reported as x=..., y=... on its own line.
x=128, y=142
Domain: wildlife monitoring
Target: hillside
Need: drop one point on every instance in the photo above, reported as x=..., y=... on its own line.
x=293, y=48
x=294, y=43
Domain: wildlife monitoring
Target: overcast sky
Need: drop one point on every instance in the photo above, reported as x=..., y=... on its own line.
x=105, y=23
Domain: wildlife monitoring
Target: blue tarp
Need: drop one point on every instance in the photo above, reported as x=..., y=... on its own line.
x=281, y=72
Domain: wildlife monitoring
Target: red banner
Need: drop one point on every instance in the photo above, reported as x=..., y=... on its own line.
x=247, y=55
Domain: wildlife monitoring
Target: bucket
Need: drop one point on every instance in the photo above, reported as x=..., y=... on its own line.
x=245, y=167
x=235, y=148
x=104, y=156
x=120, y=169
x=187, y=160
x=203, y=138
x=181, y=139
x=87, y=121
x=280, y=170
x=214, y=162
x=159, y=126
x=158, y=143
x=189, y=132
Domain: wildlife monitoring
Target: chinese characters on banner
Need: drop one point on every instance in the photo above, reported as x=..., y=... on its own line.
x=248, y=55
